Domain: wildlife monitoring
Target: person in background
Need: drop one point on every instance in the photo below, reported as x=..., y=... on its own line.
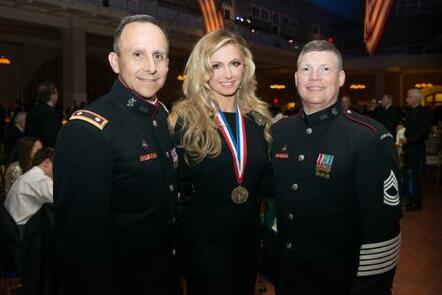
x=21, y=159
x=32, y=189
x=372, y=109
x=2, y=121
x=417, y=127
x=346, y=103
x=337, y=189
x=222, y=133
x=14, y=132
x=44, y=121
x=388, y=114
x=115, y=187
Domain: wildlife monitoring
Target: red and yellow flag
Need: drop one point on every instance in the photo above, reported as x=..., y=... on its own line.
x=376, y=14
x=213, y=18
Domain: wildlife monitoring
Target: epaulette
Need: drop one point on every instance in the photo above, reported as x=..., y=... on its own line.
x=90, y=117
x=350, y=115
x=164, y=107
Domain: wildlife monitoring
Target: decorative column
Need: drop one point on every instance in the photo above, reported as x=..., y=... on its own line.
x=74, y=64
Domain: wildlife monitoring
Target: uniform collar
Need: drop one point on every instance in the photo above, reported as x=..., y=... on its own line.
x=323, y=116
x=133, y=102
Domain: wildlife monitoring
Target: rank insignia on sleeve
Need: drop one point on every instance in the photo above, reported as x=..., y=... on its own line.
x=283, y=154
x=391, y=190
x=93, y=118
x=323, y=165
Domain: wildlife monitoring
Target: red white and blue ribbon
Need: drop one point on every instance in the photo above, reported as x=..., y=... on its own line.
x=238, y=146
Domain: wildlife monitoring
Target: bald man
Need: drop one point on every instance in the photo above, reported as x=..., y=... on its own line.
x=417, y=127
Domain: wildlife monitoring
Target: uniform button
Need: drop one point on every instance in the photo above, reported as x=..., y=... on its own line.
x=290, y=216
x=301, y=158
x=173, y=252
x=171, y=188
x=155, y=123
x=295, y=187
x=288, y=245
x=308, y=130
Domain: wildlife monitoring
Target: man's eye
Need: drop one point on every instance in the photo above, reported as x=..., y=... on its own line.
x=137, y=54
x=305, y=69
x=326, y=69
x=158, y=56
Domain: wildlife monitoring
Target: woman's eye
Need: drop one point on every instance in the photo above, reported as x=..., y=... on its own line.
x=215, y=66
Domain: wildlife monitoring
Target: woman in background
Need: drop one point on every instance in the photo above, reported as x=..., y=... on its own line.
x=222, y=134
x=21, y=159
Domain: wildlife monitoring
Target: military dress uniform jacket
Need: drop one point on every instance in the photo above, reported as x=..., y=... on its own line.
x=115, y=195
x=336, y=182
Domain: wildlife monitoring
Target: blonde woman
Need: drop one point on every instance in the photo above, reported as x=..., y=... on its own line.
x=222, y=134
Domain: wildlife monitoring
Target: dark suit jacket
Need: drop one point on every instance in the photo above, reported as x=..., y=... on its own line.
x=38, y=252
x=390, y=118
x=44, y=122
x=13, y=134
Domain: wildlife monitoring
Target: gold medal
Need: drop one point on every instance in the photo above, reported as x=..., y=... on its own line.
x=240, y=195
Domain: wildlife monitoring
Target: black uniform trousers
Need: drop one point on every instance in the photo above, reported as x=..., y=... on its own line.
x=414, y=170
x=302, y=277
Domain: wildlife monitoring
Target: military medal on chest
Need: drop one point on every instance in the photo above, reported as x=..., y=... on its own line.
x=238, y=148
x=324, y=165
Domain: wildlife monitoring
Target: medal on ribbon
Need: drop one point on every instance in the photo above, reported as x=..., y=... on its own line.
x=238, y=149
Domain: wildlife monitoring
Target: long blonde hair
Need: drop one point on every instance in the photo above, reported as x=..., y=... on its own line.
x=195, y=113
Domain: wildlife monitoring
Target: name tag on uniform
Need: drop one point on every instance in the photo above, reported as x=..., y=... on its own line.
x=281, y=155
x=148, y=157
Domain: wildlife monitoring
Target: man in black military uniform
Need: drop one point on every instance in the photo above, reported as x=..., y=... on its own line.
x=417, y=128
x=115, y=183
x=336, y=181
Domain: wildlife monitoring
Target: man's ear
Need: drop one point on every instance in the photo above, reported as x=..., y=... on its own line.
x=341, y=78
x=113, y=61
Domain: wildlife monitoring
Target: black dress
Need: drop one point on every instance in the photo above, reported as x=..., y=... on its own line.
x=220, y=238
